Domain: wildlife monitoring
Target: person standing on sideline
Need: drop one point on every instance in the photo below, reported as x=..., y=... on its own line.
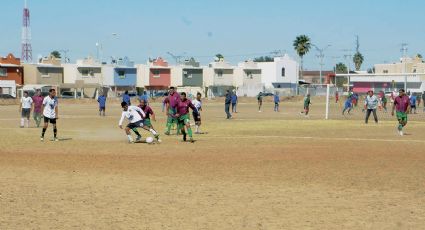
x=336, y=96
x=50, y=113
x=126, y=98
x=423, y=99
x=234, y=102
x=276, y=102
x=227, y=102
x=25, y=109
x=307, y=103
x=102, y=104
x=197, y=116
x=412, y=103
x=145, y=97
x=402, y=106
x=370, y=104
x=260, y=101
x=37, y=100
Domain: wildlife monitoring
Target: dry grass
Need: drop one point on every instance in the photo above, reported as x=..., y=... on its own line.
x=259, y=171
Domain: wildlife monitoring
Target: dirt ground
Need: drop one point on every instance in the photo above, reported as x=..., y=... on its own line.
x=257, y=171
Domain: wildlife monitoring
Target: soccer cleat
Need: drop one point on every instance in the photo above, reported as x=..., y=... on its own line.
x=42, y=139
x=156, y=137
x=191, y=140
x=400, y=132
x=138, y=138
x=55, y=139
x=184, y=137
x=167, y=133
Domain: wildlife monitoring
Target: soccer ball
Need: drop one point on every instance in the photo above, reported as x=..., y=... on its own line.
x=149, y=140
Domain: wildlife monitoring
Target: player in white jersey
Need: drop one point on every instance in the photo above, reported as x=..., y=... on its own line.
x=135, y=117
x=25, y=109
x=50, y=113
x=197, y=116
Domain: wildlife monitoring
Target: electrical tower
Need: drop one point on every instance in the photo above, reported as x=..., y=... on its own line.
x=26, y=55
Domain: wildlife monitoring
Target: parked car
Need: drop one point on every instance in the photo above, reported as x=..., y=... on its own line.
x=6, y=96
x=161, y=94
x=70, y=94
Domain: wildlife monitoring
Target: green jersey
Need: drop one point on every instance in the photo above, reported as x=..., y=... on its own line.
x=307, y=101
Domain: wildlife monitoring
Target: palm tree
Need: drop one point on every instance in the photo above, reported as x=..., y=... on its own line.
x=56, y=54
x=302, y=46
x=358, y=60
x=219, y=57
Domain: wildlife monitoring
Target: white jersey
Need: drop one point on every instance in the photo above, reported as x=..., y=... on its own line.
x=197, y=104
x=26, y=102
x=50, y=105
x=132, y=114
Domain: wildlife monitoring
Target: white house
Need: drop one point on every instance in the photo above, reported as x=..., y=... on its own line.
x=247, y=79
x=282, y=73
x=219, y=77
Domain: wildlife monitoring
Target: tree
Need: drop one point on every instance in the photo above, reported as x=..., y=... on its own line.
x=341, y=68
x=56, y=54
x=419, y=55
x=264, y=59
x=219, y=57
x=358, y=60
x=302, y=46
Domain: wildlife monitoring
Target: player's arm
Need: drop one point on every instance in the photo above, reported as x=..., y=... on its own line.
x=138, y=109
x=393, y=108
x=152, y=115
x=20, y=105
x=121, y=120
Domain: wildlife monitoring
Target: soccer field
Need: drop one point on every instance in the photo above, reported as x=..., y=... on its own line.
x=257, y=171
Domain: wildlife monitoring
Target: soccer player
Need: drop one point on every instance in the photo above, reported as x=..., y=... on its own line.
x=234, y=102
x=260, y=101
x=402, y=106
x=384, y=102
x=197, y=116
x=307, y=103
x=276, y=102
x=135, y=116
x=50, y=113
x=227, y=102
x=182, y=116
x=102, y=104
x=347, y=105
x=171, y=102
x=370, y=104
x=145, y=97
x=423, y=99
x=126, y=98
x=412, y=103
x=25, y=109
x=150, y=115
x=37, y=107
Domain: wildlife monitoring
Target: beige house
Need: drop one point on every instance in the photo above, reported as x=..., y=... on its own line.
x=406, y=65
x=247, y=79
x=219, y=77
x=48, y=72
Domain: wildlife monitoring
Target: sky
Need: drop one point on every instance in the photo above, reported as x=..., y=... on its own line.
x=238, y=29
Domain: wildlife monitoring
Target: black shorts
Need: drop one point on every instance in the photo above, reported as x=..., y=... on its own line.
x=51, y=120
x=101, y=108
x=196, y=117
x=25, y=112
x=413, y=106
x=138, y=124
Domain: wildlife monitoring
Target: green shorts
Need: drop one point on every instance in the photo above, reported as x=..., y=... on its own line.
x=147, y=122
x=401, y=116
x=184, y=119
x=170, y=118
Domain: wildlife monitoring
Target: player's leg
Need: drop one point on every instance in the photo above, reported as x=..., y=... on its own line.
x=22, y=118
x=46, y=124
x=127, y=132
x=28, y=115
x=151, y=130
x=368, y=111
x=189, y=129
x=55, y=129
x=375, y=116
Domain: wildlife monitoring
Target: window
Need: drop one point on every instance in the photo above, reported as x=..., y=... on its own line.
x=121, y=74
x=219, y=73
x=283, y=72
x=3, y=72
x=414, y=70
x=249, y=75
x=44, y=72
x=87, y=73
x=156, y=73
x=385, y=71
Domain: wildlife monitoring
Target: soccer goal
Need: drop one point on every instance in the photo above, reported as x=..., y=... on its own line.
x=345, y=88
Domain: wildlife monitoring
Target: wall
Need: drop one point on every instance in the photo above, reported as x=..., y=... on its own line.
x=164, y=79
x=129, y=79
x=193, y=77
x=225, y=80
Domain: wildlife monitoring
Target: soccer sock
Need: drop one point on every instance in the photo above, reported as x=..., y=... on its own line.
x=400, y=127
x=153, y=131
x=136, y=132
x=55, y=132
x=189, y=131
x=43, y=132
x=197, y=128
x=169, y=126
x=130, y=138
x=22, y=122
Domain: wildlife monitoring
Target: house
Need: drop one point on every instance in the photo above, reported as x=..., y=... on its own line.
x=154, y=76
x=120, y=76
x=247, y=79
x=188, y=76
x=282, y=73
x=11, y=69
x=313, y=76
x=405, y=65
x=85, y=75
x=8, y=87
x=48, y=72
x=218, y=77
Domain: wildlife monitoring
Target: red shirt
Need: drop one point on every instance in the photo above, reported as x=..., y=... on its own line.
x=401, y=103
x=148, y=110
x=38, y=103
x=183, y=107
x=173, y=100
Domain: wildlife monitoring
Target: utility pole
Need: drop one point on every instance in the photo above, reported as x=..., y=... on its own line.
x=348, y=57
x=321, y=56
x=403, y=51
x=26, y=55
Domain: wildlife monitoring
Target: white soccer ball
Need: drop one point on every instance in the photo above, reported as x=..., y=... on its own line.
x=149, y=140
